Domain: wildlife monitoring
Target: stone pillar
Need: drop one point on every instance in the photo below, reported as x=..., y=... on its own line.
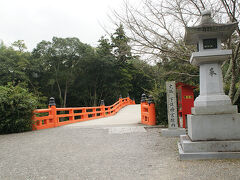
x=211, y=89
x=173, y=129
x=172, y=105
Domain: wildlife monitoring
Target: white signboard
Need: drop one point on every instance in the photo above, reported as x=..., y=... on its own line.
x=172, y=104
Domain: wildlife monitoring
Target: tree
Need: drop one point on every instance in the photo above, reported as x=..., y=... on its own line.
x=143, y=78
x=20, y=45
x=14, y=66
x=156, y=28
x=60, y=59
x=16, y=107
x=121, y=49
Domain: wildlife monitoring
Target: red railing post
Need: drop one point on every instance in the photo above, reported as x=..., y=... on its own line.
x=151, y=111
x=85, y=115
x=148, y=115
x=93, y=113
x=53, y=112
x=71, y=114
x=109, y=111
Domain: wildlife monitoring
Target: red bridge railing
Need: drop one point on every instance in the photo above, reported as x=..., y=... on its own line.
x=148, y=115
x=54, y=117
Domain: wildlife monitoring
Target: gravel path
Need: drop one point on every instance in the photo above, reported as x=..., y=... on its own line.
x=121, y=152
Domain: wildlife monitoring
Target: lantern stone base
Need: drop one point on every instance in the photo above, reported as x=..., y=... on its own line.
x=212, y=100
x=189, y=150
x=170, y=132
x=222, y=109
x=214, y=127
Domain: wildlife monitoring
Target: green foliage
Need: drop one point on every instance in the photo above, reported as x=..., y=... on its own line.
x=142, y=79
x=16, y=107
x=121, y=49
x=20, y=45
x=160, y=99
x=178, y=68
x=14, y=66
x=59, y=63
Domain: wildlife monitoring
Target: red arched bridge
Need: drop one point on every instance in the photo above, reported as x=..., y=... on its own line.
x=54, y=117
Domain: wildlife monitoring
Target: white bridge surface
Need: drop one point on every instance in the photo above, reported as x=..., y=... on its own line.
x=129, y=115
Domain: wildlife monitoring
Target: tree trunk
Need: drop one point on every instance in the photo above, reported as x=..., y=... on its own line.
x=95, y=98
x=65, y=94
x=60, y=93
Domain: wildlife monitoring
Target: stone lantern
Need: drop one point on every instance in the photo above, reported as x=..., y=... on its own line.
x=214, y=122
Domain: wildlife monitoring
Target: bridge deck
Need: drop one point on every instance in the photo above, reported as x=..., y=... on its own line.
x=129, y=115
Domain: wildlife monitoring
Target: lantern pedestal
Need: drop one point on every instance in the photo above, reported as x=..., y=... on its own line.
x=221, y=109
x=214, y=127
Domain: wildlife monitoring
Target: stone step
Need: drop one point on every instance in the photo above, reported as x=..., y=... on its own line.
x=206, y=155
x=189, y=146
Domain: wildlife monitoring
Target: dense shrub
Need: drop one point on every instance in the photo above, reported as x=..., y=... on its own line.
x=160, y=99
x=16, y=106
x=161, y=108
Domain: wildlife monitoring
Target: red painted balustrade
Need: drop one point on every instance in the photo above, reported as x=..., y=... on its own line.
x=54, y=117
x=148, y=115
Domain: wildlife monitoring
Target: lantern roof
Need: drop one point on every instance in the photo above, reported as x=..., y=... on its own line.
x=208, y=28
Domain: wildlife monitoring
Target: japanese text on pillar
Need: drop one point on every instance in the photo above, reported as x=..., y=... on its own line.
x=172, y=104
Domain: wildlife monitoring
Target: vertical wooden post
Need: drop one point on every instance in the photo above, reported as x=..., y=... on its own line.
x=85, y=115
x=151, y=111
x=71, y=115
x=52, y=106
x=54, y=114
x=94, y=114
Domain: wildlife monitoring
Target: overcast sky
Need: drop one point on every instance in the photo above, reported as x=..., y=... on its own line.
x=37, y=20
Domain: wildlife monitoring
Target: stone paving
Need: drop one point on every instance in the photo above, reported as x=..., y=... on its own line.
x=121, y=152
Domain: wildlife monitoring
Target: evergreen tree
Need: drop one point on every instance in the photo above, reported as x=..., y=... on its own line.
x=121, y=48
